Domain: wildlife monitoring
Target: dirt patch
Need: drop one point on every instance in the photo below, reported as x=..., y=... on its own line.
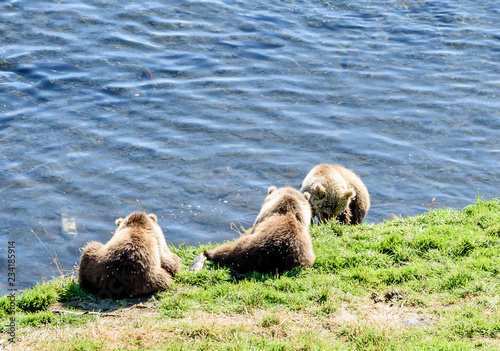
x=108, y=306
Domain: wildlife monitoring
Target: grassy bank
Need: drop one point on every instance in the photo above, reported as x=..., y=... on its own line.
x=430, y=282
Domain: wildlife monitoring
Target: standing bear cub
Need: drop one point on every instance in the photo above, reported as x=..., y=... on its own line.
x=279, y=239
x=336, y=192
x=136, y=261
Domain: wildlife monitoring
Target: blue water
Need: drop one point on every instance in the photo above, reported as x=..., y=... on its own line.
x=192, y=109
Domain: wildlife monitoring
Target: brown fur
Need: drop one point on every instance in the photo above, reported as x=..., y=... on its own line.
x=336, y=192
x=279, y=239
x=136, y=261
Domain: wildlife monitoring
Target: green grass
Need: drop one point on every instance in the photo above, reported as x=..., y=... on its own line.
x=445, y=263
x=42, y=296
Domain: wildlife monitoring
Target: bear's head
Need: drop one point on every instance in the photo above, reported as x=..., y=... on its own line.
x=285, y=200
x=138, y=219
x=327, y=204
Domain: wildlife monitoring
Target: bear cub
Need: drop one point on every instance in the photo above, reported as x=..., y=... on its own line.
x=279, y=239
x=136, y=261
x=336, y=192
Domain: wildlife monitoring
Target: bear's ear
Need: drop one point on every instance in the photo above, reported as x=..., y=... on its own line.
x=349, y=194
x=307, y=195
x=153, y=217
x=271, y=190
x=319, y=191
x=119, y=221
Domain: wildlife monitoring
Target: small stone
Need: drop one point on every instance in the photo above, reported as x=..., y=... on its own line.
x=68, y=225
x=393, y=296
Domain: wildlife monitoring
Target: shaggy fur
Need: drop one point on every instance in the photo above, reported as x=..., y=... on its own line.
x=279, y=239
x=336, y=192
x=135, y=262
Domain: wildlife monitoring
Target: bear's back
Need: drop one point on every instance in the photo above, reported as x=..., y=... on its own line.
x=282, y=242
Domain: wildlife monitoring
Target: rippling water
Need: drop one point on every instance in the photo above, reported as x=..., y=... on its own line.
x=192, y=110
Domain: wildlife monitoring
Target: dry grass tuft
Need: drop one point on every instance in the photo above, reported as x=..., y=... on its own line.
x=388, y=317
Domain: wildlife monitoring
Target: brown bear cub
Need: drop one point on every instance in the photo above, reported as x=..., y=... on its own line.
x=336, y=192
x=136, y=261
x=279, y=239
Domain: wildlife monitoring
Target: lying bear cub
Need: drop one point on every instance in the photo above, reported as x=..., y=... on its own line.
x=279, y=239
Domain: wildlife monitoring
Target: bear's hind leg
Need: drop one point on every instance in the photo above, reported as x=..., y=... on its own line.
x=227, y=254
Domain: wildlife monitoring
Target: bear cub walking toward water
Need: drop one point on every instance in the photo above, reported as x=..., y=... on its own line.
x=136, y=261
x=336, y=192
x=279, y=239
